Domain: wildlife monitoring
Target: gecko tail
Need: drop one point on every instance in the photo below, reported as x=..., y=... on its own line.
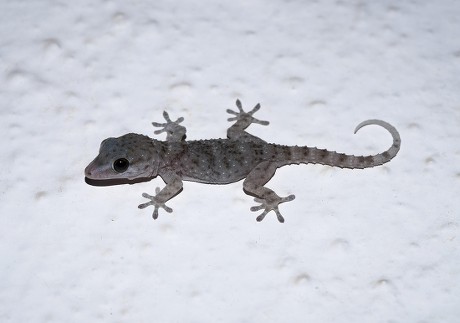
x=391, y=152
x=309, y=155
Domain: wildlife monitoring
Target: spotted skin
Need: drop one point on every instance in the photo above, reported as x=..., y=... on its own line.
x=218, y=161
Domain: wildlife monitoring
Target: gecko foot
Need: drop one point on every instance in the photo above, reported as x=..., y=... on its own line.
x=154, y=201
x=173, y=129
x=246, y=116
x=271, y=205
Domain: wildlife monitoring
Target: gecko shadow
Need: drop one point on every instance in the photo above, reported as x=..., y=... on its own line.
x=118, y=181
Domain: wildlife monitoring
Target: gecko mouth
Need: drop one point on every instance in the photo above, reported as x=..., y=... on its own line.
x=96, y=175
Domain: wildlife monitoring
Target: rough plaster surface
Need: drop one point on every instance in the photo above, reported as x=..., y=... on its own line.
x=376, y=245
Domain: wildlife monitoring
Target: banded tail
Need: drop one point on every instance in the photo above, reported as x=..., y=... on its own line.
x=309, y=155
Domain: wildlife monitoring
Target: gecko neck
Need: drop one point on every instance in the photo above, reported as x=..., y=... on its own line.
x=158, y=153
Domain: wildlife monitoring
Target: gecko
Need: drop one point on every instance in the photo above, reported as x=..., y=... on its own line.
x=218, y=161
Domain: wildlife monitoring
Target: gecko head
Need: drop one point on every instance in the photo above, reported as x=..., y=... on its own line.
x=131, y=156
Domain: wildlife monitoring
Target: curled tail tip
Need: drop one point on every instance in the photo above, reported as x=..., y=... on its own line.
x=393, y=150
x=381, y=123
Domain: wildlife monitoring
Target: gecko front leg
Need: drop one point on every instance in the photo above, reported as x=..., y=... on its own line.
x=174, y=131
x=173, y=186
x=254, y=185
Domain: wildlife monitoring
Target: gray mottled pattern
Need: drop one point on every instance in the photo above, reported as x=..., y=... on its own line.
x=218, y=161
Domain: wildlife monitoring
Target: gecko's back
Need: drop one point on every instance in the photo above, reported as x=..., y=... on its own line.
x=217, y=161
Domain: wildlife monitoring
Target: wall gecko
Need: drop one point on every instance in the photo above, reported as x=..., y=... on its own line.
x=218, y=161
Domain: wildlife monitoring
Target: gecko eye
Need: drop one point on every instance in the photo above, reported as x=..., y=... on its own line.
x=120, y=165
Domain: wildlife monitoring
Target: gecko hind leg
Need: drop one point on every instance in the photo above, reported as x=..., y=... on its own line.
x=272, y=205
x=254, y=185
x=243, y=120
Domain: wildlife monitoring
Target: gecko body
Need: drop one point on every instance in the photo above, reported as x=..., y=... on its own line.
x=218, y=161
